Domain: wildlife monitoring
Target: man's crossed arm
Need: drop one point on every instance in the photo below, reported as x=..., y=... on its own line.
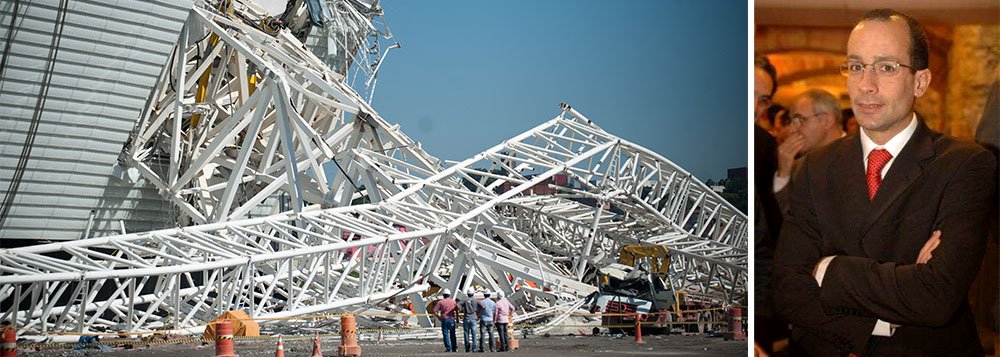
x=883, y=328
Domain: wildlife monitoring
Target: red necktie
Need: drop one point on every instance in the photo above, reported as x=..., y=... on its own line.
x=876, y=161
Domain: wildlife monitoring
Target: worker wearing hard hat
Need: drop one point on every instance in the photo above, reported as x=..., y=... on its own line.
x=486, y=309
x=470, y=309
x=502, y=315
x=445, y=310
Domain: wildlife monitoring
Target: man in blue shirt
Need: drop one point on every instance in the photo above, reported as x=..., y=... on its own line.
x=486, y=308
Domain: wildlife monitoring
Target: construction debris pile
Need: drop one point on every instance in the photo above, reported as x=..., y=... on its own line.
x=246, y=118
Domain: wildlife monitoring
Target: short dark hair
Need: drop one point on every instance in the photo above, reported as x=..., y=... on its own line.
x=774, y=113
x=761, y=61
x=919, y=49
x=847, y=114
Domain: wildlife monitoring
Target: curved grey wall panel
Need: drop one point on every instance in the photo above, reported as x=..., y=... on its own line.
x=95, y=83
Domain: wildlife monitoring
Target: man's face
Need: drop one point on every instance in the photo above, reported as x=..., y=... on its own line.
x=812, y=124
x=883, y=104
x=762, y=88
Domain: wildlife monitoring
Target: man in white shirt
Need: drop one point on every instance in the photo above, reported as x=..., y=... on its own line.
x=886, y=229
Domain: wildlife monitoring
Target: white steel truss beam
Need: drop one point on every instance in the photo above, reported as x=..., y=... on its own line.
x=242, y=118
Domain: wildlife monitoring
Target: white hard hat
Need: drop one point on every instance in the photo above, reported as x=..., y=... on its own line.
x=486, y=292
x=500, y=294
x=446, y=292
x=470, y=292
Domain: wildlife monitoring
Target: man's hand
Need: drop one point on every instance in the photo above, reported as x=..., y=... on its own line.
x=787, y=152
x=932, y=243
x=758, y=351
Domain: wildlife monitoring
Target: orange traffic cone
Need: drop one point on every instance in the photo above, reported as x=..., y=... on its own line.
x=638, y=329
x=512, y=342
x=735, y=325
x=348, y=337
x=224, y=339
x=8, y=343
x=317, y=352
x=280, y=352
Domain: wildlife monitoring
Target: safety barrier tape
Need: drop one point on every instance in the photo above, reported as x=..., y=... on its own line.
x=399, y=329
x=111, y=343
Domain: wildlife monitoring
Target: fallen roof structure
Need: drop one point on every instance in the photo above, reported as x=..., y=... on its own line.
x=241, y=116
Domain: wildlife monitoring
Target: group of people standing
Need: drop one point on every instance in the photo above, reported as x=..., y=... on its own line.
x=485, y=313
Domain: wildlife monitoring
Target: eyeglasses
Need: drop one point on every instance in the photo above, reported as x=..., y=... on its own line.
x=799, y=119
x=884, y=69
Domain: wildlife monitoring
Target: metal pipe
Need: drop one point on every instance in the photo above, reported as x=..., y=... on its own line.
x=90, y=223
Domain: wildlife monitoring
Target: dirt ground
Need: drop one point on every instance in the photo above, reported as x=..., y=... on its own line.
x=577, y=346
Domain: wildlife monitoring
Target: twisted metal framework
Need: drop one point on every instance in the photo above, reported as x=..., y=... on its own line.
x=350, y=42
x=262, y=99
x=476, y=223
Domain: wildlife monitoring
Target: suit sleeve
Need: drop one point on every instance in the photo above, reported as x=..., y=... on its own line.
x=924, y=294
x=797, y=294
x=782, y=197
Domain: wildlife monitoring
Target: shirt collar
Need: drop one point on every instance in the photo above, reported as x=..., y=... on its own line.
x=894, y=145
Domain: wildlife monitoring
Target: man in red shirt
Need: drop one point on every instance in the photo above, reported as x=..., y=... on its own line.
x=445, y=310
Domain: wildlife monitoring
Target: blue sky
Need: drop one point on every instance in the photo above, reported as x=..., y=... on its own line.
x=667, y=75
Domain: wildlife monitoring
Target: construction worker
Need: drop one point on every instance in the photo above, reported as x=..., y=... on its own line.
x=502, y=315
x=408, y=305
x=486, y=309
x=445, y=310
x=470, y=308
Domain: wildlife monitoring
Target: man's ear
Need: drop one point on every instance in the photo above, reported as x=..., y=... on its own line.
x=921, y=82
x=830, y=119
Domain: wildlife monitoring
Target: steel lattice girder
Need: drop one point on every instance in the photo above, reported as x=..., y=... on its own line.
x=558, y=227
x=265, y=99
x=291, y=264
x=454, y=227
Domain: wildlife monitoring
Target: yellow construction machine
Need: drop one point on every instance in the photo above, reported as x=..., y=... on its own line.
x=638, y=283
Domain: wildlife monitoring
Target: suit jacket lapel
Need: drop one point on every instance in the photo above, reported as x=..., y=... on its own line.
x=904, y=171
x=850, y=187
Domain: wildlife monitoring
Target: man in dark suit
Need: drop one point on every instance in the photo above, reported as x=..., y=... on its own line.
x=887, y=227
x=768, y=217
x=765, y=147
x=816, y=121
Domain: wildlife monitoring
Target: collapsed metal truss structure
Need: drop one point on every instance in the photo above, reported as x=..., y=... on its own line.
x=249, y=101
x=241, y=116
